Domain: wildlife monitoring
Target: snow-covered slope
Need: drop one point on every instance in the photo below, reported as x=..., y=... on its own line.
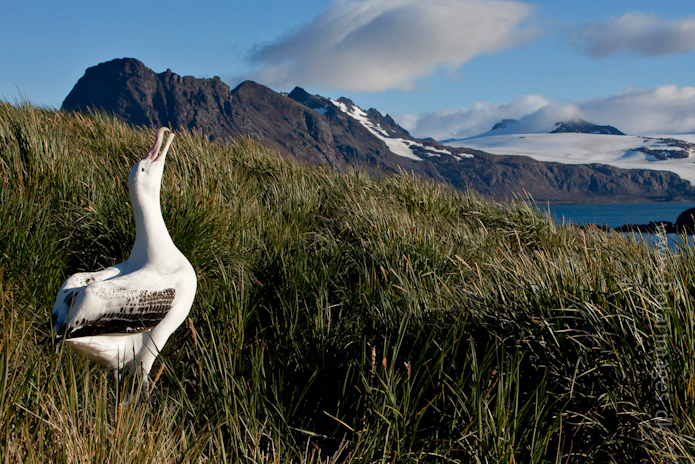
x=663, y=153
x=406, y=148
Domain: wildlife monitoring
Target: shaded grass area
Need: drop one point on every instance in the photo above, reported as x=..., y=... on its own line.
x=338, y=318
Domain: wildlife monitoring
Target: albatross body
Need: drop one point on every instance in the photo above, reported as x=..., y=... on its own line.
x=122, y=316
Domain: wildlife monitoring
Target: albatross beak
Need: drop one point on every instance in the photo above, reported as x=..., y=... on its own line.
x=164, y=151
x=152, y=154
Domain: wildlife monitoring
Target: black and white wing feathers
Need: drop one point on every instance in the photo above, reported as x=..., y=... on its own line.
x=107, y=308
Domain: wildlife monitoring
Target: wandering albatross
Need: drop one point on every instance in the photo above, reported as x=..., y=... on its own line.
x=123, y=315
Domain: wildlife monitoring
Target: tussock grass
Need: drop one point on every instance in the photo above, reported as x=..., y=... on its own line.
x=338, y=318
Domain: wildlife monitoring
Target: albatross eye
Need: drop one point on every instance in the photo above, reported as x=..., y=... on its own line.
x=143, y=169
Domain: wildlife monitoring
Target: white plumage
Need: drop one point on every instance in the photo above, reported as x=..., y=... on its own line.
x=123, y=315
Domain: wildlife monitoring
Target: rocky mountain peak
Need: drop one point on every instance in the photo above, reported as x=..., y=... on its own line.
x=347, y=102
x=582, y=126
x=299, y=94
x=387, y=123
x=318, y=103
x=503, y=124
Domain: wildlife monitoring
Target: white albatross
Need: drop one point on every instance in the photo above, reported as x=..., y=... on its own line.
x=123, y=315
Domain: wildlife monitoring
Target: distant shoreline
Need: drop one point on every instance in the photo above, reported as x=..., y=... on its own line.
x=626, y=217
x=610, y=202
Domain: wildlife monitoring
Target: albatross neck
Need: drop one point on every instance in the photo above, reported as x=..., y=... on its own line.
x=152, y=240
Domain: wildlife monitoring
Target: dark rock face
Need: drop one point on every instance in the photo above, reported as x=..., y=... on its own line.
x=314, y=129
x=503, y=124
x=686, y=221
x=666, y=148
x=663, y=154
x=583, y=127
x=133, y=92
x=281, y=123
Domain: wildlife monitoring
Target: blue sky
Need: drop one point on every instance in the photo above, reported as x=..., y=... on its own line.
x=443, y=68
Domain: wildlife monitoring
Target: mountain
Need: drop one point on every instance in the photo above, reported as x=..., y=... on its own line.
x=129, y=90
x=581, y=126
x=620, y=151
x=316, y=129
x=503, y=124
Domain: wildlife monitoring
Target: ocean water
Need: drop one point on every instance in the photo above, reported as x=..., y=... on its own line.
x=618, y=214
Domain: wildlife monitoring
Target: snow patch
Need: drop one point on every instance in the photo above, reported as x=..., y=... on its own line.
x=572, y=148
x=431, y=151
x=398, y=146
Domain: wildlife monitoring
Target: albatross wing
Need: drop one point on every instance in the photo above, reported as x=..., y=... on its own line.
x=119, y=306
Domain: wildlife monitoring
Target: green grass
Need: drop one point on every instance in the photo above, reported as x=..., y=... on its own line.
x=338, y=318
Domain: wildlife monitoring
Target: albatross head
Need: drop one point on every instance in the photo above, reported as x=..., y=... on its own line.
x=145, y=179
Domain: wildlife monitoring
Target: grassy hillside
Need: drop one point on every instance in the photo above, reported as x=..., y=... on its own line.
x=338, y=318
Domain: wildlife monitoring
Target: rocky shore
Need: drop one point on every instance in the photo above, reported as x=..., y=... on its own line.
x=685, y=223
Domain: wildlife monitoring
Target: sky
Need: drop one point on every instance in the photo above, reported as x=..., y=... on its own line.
x=441, y=68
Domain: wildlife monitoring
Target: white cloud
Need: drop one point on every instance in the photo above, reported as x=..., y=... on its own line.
x=667, y=109
x=464, y=122
x=374, y=45
x=662, y=110
x=638, y=33
x=544, y=119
